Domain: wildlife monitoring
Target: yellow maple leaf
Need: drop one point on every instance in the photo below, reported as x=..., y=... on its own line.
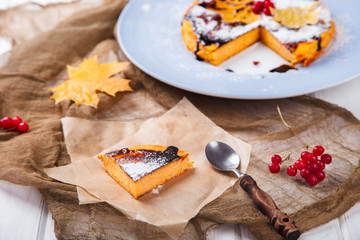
x=295, y=17
x=89, y=77
x=233, y=11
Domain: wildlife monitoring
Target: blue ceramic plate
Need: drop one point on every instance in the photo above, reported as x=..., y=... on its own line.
x=149, y=33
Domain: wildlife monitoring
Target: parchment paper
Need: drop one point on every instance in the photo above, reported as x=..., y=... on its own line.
x=177, y=201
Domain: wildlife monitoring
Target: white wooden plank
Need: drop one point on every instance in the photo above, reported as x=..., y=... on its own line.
x=243, y=233
x=20, y=211
x=350, y=223
x=224, y=232
x=329, y=231
x=6, y=4
x=46, y=225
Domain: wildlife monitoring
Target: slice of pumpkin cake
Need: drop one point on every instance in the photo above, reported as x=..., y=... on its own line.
x=142, y=168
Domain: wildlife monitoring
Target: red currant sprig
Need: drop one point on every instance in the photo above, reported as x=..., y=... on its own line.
x=263, y=6
x=14, y=124
x=309, y=165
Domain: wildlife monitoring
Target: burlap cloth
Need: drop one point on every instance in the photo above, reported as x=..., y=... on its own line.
x=23, y=157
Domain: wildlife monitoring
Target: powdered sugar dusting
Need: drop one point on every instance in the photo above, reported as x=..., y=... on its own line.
x=139, y=169
x=306, y=32
x=144, y=162
x=204, y=21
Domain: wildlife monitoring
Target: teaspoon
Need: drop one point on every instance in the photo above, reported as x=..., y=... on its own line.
x=224, y=158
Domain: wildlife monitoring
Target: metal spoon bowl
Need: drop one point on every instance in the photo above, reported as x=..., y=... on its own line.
x=223, y=157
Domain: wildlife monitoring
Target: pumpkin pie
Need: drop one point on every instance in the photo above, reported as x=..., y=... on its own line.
x=297, y=30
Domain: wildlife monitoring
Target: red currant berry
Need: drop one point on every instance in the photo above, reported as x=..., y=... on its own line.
x=23, y=127
x=16, y=121
x=312, y=158
x=274, y=168
x=326, y=158
x=300, y=164
x=312, y=180
x=268, y=4
x=291, y=171
x=318, y=150
x=276, y=159
x=305, y=173
x=321, y=165
x=257, y=7
x=267, y=11
x=305, y=156
x=313, y=167
x=320, y=175
x=7, y=122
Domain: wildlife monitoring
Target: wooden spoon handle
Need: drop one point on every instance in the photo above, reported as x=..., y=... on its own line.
x=282, y=222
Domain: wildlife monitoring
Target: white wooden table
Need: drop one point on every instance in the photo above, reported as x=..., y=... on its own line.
x=24, y=215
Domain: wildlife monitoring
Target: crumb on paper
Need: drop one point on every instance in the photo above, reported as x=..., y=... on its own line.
x=157, y=190
x=256, y=63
